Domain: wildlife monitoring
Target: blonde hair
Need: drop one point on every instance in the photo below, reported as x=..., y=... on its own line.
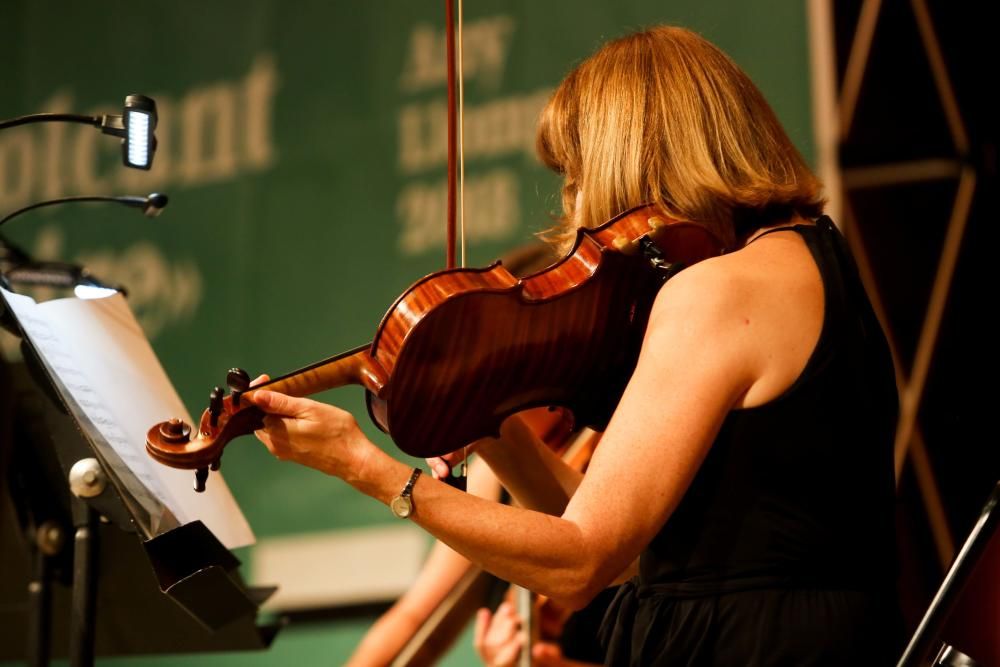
x=663, y=116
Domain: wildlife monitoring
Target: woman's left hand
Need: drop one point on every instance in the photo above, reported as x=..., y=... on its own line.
x=314, y=434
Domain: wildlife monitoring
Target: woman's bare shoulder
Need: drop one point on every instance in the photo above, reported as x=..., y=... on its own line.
x=708, y=290
x=760, y=272
x=762, y=307
x=759, y=309
x=699, y=320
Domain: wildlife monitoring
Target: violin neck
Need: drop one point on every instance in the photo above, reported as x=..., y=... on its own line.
x=352, y=367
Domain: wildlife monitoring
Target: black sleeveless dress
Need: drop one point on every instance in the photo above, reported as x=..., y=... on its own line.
x=782, y=552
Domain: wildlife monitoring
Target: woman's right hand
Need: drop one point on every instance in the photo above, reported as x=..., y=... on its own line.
x=441, y=466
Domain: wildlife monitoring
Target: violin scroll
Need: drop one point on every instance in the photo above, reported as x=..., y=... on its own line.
x=171, y=442
x=174, y=443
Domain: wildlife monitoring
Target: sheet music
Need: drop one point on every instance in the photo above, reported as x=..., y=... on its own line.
x=99, y=354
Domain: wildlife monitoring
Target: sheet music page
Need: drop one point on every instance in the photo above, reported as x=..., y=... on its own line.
x=101, y=356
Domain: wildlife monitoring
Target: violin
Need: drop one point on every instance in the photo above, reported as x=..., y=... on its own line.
x=462, y=349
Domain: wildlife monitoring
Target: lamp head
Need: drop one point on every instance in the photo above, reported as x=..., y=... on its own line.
x=137, y=128
x=139, y=119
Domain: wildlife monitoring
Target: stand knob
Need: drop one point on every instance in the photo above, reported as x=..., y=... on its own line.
x=50, y=538
x=86, y=478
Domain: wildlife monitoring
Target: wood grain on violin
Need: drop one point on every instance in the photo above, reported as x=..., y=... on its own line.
x=462, y=349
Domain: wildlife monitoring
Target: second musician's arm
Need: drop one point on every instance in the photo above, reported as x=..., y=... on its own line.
x=440, y=573
x=532, y=473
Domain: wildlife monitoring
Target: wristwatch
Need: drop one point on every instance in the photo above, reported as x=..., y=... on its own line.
x=402, y=505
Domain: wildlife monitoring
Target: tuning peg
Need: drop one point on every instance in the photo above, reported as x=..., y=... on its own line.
x=200, y=478
x=215, y=405
x=625, y=246
x=216, y=464
x=238, y=381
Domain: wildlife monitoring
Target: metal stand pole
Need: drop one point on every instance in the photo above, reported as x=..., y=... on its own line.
x=84, y=604
x=39, y=611
x=86, y=480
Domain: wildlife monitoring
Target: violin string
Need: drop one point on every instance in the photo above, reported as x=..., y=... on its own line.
x=461, y=173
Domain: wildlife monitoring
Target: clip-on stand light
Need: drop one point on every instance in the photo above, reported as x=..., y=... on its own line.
x=189, y=563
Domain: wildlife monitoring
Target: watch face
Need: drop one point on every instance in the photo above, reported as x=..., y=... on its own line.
x=401, y=506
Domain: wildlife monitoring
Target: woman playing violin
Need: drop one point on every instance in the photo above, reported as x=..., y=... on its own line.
x=748, y=465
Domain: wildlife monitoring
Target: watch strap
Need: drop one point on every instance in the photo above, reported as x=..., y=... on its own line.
x=408, y=489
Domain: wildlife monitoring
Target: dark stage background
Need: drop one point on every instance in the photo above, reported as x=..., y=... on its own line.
x=917, y=144
x=302, y=145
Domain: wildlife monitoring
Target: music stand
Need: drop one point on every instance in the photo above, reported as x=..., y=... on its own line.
x=83, y=519
x=966, y=601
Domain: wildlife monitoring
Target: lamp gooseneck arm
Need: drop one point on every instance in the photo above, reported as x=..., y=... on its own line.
x=51, y=117
x=150, y=205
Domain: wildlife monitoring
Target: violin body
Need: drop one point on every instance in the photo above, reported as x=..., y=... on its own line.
x=468, y=348
x=462, y=349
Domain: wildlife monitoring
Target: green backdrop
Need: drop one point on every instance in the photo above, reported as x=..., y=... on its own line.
x=302, y=145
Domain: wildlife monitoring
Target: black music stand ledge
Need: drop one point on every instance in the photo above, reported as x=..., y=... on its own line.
x=79, y=578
